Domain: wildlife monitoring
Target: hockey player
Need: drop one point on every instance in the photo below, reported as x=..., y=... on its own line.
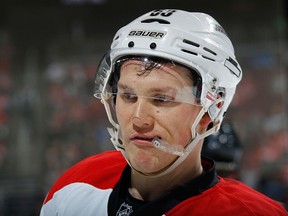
x=167, y=76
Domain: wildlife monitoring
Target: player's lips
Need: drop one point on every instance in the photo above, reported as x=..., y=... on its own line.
x=143, y=139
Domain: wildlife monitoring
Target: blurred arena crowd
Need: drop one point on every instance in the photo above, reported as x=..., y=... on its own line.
x=50, y=112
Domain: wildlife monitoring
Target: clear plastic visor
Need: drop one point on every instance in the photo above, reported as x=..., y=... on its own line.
x=102, y=75
x=106, y=89
x=159, y=98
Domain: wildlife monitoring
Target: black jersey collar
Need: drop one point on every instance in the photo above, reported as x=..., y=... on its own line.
x=168, y=200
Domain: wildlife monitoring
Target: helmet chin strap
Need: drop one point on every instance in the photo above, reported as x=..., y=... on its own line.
x=196, y=137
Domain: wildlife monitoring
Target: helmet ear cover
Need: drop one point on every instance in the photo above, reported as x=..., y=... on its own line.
x=215, y=108
x=150, y=63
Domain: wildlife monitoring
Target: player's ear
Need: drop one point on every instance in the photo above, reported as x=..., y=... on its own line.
x=203, y=124
x=205, y=121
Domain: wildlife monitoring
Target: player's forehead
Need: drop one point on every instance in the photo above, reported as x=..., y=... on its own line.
x=163, y=70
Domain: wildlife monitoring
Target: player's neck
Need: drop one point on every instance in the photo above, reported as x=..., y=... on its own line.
x=149, y=188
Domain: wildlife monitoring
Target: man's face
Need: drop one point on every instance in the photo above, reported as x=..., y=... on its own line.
x=146, y=109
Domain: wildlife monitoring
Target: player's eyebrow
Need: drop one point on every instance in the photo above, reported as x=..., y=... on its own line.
x=122, y=86
x=157, y=89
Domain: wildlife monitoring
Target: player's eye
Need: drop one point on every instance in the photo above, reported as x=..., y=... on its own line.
x=163, y=99
x=128, y=97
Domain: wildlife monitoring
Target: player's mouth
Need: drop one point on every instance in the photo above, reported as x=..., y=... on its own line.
x=143, y=140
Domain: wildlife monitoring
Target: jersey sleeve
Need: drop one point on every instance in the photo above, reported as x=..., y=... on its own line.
x=86, y=186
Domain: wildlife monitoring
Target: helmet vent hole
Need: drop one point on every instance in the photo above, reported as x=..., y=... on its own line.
x=191, y=43
x=161, y=21
x=210, y=51
x=208, y=58
x=190, y=52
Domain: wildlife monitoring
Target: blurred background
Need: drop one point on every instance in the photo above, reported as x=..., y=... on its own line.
x=49, y=120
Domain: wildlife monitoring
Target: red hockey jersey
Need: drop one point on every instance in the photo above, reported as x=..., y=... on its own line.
x=99, y=185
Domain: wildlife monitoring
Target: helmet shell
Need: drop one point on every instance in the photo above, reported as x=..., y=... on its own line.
x=193, y=39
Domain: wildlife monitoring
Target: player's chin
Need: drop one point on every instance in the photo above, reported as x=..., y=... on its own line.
x=149, y=162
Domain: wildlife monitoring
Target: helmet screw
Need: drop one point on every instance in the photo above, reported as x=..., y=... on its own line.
x=153, y=45
x=131, y=44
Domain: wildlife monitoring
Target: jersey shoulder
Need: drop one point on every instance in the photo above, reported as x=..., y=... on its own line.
x=249, y=199
x=229, y=197
x=101, y=171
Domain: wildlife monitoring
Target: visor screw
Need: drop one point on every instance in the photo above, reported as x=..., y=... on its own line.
x=214, y=80
x=153, y=45
x=213, y=88
x=131, y=44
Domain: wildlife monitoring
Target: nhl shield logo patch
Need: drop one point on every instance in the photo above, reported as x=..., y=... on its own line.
x=124, y=210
